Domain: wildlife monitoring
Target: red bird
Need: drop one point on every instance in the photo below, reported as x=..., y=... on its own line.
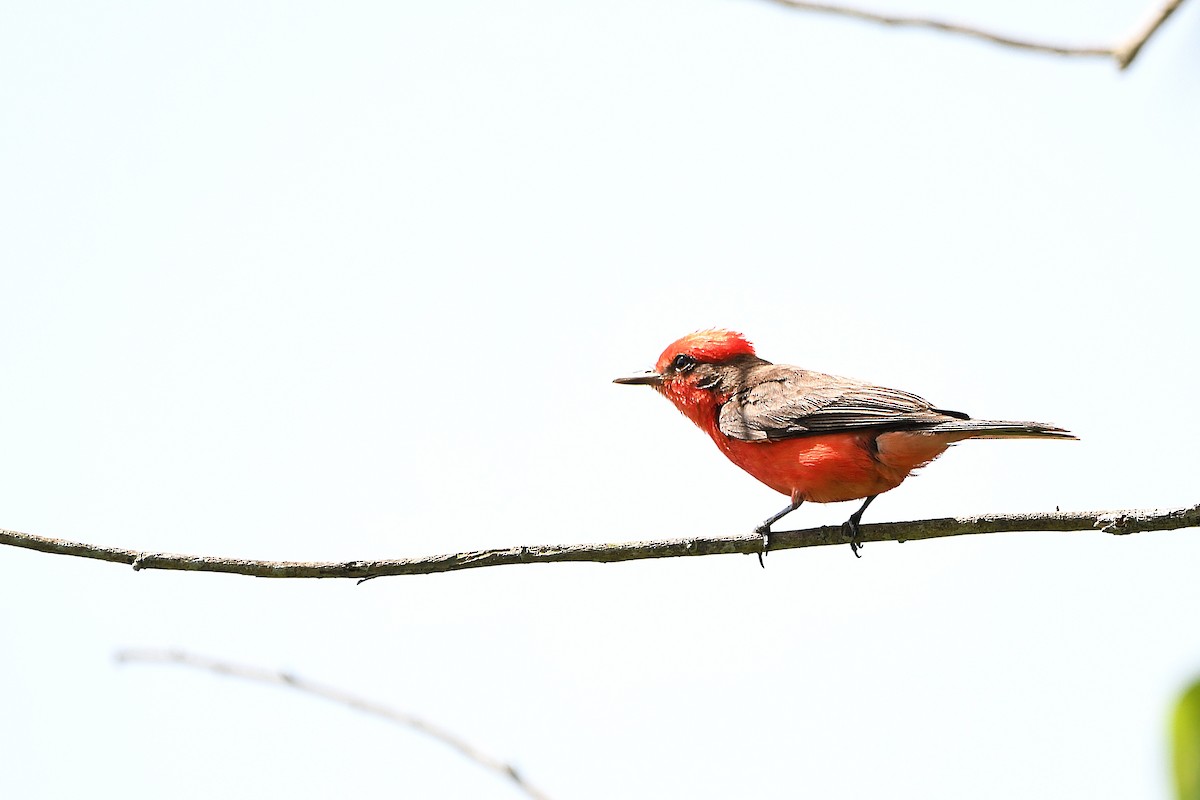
x=808, y=435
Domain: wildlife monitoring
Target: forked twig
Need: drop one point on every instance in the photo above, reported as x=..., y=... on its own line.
x=1123, y=53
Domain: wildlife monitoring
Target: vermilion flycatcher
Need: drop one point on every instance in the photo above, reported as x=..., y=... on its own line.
x=809, y=435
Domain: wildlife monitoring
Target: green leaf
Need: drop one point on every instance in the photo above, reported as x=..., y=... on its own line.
x=1185, y=735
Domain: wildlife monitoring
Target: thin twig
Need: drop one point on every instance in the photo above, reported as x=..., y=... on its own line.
x=1119, y=522
x=1123, y=54
x=336, y=695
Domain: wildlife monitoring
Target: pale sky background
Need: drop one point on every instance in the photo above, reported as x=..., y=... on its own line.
x=335, y=281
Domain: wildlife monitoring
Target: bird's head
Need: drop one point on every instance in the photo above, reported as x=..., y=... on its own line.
x=698, y=369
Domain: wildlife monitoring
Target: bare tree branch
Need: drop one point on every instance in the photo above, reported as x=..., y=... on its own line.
x=1118, y=522
x=1126, y=52
x=336, y=695
x=1123, y=53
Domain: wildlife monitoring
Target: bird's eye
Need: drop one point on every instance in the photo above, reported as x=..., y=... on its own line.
x=683, y=363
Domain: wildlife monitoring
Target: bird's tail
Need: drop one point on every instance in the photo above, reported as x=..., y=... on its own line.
x=997, y=429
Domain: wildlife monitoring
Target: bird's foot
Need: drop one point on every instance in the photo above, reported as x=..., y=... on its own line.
x=765, y=532
x=850, y=528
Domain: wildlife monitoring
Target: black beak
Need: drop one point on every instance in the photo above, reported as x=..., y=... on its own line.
x=647, y=378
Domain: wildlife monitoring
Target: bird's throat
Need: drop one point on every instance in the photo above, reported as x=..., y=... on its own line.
x=700, y=406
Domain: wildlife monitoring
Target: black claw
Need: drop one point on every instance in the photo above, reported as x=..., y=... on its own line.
x=765, y=529
x=851, y=529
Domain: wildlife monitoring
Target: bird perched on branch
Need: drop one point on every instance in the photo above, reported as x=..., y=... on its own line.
x=811, y=436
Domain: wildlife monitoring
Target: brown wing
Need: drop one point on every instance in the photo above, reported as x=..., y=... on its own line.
x=780, y=402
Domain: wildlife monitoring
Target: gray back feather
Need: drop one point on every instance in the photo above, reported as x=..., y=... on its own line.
x=780, y=402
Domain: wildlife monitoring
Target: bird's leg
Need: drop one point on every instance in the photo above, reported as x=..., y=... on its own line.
x=764, y=530
x=851, y=526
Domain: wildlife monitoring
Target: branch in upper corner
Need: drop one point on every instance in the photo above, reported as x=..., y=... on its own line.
x=1123, y=54
x=336, y=695
x=1118, y=522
